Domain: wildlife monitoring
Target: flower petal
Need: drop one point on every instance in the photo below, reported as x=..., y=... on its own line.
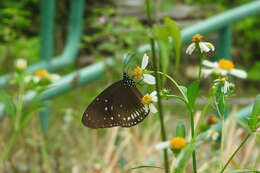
x=154, y=96
x=206, y=72
x=149, y=79
x=239, y=73
x=223, y=72
x=203, y=47
x=144, y=61
x=162, y=145
x=190, y=48
x=209, y=45
x=146, y=108
x=153, y=108
x=210, y=64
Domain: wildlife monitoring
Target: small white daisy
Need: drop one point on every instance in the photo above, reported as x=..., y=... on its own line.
x=204, y=46
x=149, y=79
x=175, y=143
x=213, y=134
x=223, y=67
x=147, y=101
x=20, y=64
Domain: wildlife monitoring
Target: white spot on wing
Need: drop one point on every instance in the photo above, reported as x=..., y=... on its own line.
x=105, y=108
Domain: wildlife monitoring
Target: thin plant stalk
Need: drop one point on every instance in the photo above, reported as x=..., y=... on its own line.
x=235, y=152
x=8, y=147
x=160, y=110
x=16, y=132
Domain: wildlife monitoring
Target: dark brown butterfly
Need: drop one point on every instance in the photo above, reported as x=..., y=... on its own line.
x=118, y=105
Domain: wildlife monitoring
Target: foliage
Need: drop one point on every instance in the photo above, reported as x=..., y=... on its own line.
x=107, y=34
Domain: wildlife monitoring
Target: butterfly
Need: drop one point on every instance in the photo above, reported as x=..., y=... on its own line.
x=118, y=105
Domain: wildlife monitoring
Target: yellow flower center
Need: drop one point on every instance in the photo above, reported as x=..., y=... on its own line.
x=138, y=72
x=178, y=143
x=226, y=64
x=146, y=99
x=43, y=73
x=212, y=119
x=197, y=38
x=212, y=132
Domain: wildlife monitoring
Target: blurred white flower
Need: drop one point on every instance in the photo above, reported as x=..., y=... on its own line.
x=30, y=78
x=175, y=143
x=223, y=67
x=204, y=46
x=20, y=64
x=213, y=134
x=147, y=101
x=55, y=77
x=149, y=79
x=224, y=83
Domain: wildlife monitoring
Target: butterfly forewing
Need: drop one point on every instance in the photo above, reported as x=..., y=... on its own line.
x=118, y=105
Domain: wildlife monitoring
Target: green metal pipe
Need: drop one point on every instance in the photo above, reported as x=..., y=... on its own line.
x=47, y=29
x=224, y=43
x=46, y=48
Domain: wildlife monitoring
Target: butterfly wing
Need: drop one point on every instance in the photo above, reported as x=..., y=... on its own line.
x=118, y=105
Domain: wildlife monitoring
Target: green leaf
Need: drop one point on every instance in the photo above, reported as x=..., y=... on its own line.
x=243, y=170
x=184, y=89
x=180, y=129
x=145, y=166
x=183, y=158
x=9, y=106
x=161, y=35
x=175, y=34
x=192, y=92
x=254, y=120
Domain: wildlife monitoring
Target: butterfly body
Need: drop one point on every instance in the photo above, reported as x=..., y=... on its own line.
x=118, y=105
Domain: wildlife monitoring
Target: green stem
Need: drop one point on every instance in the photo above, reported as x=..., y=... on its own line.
x=19, y=106
x=193, y=137
x=9, y=147
x=222, y=141
x=160, y=110
x=235, y=152
x=176, y=84
x=203, y=113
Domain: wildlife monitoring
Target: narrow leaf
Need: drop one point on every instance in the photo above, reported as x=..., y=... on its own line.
x=7, y=101
x=175, y=34
x=183, y=158
x=161, y=35
x=145, y=166
x=180, y=129
x=243, y=170
x=192, y=92
x=254, y=120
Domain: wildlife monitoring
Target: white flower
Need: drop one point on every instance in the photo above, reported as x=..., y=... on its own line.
x=175, y=143
x=20, y=64
x=213, y=134
x=147, y=101
x=30, y=78
x=225, y=85
x=204, y=47
x=224, y=67
x=54, y=77
x=149, y=79
x=163, y=145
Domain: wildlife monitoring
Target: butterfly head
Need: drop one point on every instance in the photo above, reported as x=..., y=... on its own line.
x=128, y=82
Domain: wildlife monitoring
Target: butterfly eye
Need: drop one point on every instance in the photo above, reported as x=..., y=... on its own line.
x=118, y=105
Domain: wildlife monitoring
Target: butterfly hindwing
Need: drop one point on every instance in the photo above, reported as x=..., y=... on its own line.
x=118, y=105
